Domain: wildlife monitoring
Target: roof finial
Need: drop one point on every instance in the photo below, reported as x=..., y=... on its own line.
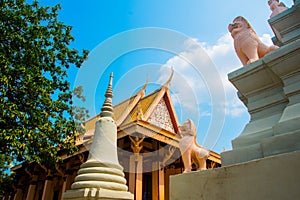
x=107, y=108
x=170, y=79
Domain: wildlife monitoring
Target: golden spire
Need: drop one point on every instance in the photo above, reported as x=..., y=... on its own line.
x=142, y=91
x=107, y=108
x=170, y=79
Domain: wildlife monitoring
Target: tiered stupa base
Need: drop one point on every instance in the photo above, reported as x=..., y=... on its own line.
x=96, y=180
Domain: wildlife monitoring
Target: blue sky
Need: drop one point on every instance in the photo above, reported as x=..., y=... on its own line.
x=139, y=38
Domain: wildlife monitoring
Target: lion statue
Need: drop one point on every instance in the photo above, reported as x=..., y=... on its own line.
x=247, y=45
x=276, y=7
x=191, y=152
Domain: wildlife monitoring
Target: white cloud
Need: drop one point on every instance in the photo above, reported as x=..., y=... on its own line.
x=193, y=87
x=266, y=39
x=205, y=114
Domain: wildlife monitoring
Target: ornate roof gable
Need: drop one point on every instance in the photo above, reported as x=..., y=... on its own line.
x=157, y=109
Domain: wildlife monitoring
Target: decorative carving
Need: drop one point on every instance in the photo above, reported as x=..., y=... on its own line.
x=161, y=117
x=168, y=155
x=81, y=158
x=276, y=7
x=136, y=143
x=140, y=114
x=189, y=148
x=247, y=45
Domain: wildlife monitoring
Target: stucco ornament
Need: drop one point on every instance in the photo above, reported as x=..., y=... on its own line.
x=247, y=45
x=191, y=152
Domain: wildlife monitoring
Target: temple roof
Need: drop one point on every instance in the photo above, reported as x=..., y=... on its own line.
x=139, y=108
x=153, y=115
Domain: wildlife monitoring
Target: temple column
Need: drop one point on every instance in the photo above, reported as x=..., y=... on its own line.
x=48, y=189
x=32, y=188
x=63, y=188
x=139, y=178
x=19, y=194
x=132, y=170
x=158, y=182
x=136, y=176
x=161, y=183
x=69, y=179
x=154, y=181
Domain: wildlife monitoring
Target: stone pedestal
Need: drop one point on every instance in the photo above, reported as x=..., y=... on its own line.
x=265, y=160
x=286, y=25
x=101, y=176
x=270, y=88
x=276, y=177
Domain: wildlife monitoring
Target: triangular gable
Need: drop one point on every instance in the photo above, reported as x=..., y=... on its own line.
x=157, y=109
x=141, y=107
x=167, y=120
x=122, y=110
x=160, y=117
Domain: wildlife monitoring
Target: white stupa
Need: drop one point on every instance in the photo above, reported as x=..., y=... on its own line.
x=101, y=176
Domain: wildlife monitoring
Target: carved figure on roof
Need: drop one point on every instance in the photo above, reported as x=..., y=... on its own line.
x=276, y=7
x=191, y=152
x=136, y=143
x=247, y=45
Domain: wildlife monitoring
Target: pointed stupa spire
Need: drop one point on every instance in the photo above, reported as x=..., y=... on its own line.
x=107, y=108
x=101, y=176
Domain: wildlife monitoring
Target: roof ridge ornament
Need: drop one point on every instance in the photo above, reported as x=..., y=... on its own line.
x=142, y=91
x=170, y=79
x=107, y=108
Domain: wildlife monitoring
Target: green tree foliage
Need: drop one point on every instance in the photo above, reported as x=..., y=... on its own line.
x=35, y=96
x=79, y=113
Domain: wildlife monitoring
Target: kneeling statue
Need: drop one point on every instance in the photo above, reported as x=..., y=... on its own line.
x=191, y=152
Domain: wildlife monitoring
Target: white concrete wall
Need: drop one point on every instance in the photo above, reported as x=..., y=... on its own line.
x=275, y=177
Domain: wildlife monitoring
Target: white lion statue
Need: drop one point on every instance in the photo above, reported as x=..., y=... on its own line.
x=191, y=152
x=247, y=45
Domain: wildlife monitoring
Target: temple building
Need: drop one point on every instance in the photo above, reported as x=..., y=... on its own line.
x=148, y=150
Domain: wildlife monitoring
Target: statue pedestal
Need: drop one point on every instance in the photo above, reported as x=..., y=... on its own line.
x=265, y=160
x=286, y=25
x=276, y=177
x=270, y=89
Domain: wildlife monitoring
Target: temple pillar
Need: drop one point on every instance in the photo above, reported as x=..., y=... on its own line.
x=139, y=178
x=69, y=179
x=63, y=188
x=158, y=182
x=132, y=170
x=136, y=178
x=7, y=197
x=154, y=181
x=19, y=194
x=48, y=189
x=161, y=183
x=32, y=188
